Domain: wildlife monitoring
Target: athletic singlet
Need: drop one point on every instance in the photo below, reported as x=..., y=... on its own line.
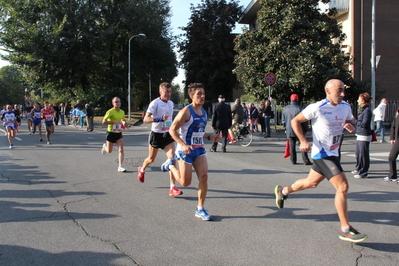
x=47, y=114
x=28, y=112
x=9, y=118
x=327, y=129
x=37, y=114
x=192, y=131
x=159, y=108
x=112, y=115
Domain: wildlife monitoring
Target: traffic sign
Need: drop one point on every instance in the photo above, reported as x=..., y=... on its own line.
x=270, y=79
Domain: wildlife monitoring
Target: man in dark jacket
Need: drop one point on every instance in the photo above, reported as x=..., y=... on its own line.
x=89, y=118
x=221, y=122
x=289, y=113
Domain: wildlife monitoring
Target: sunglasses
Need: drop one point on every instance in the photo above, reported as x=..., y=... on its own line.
x=117, y=102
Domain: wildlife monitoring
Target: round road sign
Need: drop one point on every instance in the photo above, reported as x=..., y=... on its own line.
x=270, y=79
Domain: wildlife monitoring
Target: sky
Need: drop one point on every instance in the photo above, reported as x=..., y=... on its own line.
x=180, y=17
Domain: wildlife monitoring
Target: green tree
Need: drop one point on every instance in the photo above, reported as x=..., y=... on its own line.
x=79, y=48
x=296, y=42
x=208, y=48
x=12, y=89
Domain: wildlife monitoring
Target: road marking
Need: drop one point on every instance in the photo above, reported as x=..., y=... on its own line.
x=6, y=135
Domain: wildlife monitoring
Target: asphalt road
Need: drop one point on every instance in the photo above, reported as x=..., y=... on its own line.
x=66, y=204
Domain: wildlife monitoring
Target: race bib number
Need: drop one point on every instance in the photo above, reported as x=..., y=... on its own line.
x=197, y=139
x=166, y=125
x=335, y=139
x=36, y=114
x=49, y=117
x=117, y=127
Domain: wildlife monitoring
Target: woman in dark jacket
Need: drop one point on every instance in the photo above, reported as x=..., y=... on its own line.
x=363, y=136
x=393, y=175
x=253, y=116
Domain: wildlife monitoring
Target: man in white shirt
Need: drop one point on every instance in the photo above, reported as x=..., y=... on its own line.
x=160, y=114
x=329, y=118
x=379, y=117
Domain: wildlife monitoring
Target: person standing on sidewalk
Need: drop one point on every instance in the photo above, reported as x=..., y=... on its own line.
x=329, y=117
x=363, y=136
x=221, y=122
x=89, y=118
x=159, y=113
x=393, y=154
x=379, y=117
x=115, y=120
x=62, y=109
x=188, y=130
x=267, y=117
x=289, y=112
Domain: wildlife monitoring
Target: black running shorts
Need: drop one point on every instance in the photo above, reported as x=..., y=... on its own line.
x=328, y=167
x=160, y=140
x=113, y=137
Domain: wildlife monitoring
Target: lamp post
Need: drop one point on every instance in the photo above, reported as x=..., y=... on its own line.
x=128, y=74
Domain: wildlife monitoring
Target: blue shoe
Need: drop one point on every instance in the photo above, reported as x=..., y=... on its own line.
x=203, y=214
x=165, y=165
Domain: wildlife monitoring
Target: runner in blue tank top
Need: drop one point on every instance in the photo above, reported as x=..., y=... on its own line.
x=188, y=130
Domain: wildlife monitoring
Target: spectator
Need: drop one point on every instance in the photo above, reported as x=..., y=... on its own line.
x=393, y=154
x=363, y=136
x=89, y=118
x=253, y=117
x=289, y=113
x=261, y=118
x=268, y=116
x=245, y=113
x=379, y=117
x=221, y=122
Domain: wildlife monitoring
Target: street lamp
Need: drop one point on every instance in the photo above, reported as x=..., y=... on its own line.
x=128, y=73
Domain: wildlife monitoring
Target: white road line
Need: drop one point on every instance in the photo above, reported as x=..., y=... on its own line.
x=14, y=138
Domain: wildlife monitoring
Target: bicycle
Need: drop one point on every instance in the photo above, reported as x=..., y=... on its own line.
x=242, y=134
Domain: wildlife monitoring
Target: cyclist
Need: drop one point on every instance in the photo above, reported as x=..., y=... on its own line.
x=237, y=113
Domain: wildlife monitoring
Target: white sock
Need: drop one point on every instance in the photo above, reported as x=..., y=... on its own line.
x=172, y=186
x=283, y=191
x=345, y=229
x=199, y=208
x=142, y=170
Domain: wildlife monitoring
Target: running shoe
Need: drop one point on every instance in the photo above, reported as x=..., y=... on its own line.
x=278, y=191
x=40, y=139
x=203, y=214
x=360, y=176
x=165, y=165
x=121, y=169
x=175, y=192
x=390, y=179
x=11, y=146
x=352, y=235
x=355, y=172
x=30, y=133
x=103, y=149
x=48, y=142
x=140, y=176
